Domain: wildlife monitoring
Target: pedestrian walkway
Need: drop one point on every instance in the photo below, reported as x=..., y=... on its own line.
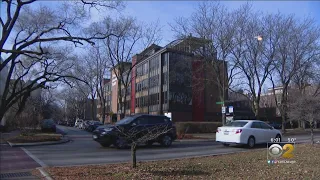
x=14, y=158
x=18, y=175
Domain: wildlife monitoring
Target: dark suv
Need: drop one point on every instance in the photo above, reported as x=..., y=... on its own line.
x=146, y=129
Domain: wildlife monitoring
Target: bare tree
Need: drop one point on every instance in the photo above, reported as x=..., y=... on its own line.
x=305, y=107
x=40, y=105
x=93, y=70
x=74, y=99
x=131, y=36
x=298, y=48
x=140, y=135
x=213, y=23
x=28, y=37
x=255, y=50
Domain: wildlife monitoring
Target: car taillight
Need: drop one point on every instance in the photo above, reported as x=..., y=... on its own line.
x=218, y=130
x=238, y=131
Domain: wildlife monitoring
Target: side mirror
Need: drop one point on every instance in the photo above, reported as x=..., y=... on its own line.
x=133, y=124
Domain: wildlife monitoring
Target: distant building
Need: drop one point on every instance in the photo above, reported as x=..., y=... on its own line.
x=240, y=105
x=107, y=95
x=170, y=79
x=268, y=100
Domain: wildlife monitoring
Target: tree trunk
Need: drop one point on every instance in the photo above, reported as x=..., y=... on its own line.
x=103, y=113
x=2, y=118
x=92, y=109
x=311, y=130
x=256, y=109
x=133, y=154
x=283, y=117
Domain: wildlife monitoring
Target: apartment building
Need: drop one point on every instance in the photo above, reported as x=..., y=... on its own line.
x=170, y=79
x=107, y=96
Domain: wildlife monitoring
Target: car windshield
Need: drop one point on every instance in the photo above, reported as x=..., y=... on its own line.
x=236, y=124
x=125, y=120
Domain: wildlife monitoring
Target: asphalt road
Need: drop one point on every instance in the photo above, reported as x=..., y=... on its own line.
x=83, y=150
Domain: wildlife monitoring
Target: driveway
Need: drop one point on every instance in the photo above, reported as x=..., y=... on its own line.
x=83, y=150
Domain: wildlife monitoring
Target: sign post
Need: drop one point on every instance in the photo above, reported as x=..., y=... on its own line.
x=223, y=109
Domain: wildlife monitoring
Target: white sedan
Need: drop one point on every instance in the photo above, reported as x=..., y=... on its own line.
x=250, y=132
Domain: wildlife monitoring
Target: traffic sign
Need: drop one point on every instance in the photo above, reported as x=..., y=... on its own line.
x=220, y=102
x=230, y=109
x=223, y=110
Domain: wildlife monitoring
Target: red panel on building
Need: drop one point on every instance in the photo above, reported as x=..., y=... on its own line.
x=198, y=106
x=133, y=85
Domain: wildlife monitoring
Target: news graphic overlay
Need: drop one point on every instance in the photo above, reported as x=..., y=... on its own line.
x=281, y=152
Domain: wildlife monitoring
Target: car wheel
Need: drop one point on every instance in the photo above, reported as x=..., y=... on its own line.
x=120, y=143
x=251, y=142
x=278, y=136
x=105, y=144
x=166, y=141
x=225, y=144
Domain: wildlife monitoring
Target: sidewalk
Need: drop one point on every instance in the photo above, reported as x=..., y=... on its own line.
x=4, y=136
x=205, y=136
x=299, y=131
x=199, y=137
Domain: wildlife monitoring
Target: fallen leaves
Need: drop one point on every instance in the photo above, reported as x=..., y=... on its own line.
x=244, y=165
x=34, y=138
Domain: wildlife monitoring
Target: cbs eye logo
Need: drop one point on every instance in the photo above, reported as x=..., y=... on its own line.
x=276, y=150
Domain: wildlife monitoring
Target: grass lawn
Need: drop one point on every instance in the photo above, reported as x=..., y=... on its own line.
x=246, y=165
x=35, y=138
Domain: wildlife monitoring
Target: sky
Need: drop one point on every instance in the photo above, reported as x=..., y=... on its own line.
x=167, y=11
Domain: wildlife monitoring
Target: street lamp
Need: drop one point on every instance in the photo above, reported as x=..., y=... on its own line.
x=259, y=38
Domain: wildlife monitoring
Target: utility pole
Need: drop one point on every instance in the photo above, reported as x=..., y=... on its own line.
x=223, y=108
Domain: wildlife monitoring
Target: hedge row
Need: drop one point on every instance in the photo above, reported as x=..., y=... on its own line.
x=197, y=127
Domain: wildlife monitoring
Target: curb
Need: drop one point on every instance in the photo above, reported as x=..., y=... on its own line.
x=45, y=173
x=194, y=140
x=63, y=140
x=62, y=132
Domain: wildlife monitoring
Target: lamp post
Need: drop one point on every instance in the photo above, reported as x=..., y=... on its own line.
x=259, y=39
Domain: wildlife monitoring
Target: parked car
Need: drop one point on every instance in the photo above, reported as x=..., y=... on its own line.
x=48, y=125
x=78, y=122
x=83, y=124
x=250, y=132
x=108, y=135
x=275, y=125
x=70, y=123
x=86, y=124
x=93, y=125
x=63, y=123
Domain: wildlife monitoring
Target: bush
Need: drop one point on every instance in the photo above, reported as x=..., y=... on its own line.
x=197, y=127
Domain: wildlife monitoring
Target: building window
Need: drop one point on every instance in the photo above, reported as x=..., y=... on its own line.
x=136, y=102
x=164, y=59
x=145, y=68
x=165, y=97
x=165, y=78
x=154, y=81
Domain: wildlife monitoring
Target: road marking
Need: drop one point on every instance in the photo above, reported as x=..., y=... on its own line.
x=42, y=164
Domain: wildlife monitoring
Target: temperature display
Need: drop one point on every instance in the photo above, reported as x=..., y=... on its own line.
x=292, y=140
